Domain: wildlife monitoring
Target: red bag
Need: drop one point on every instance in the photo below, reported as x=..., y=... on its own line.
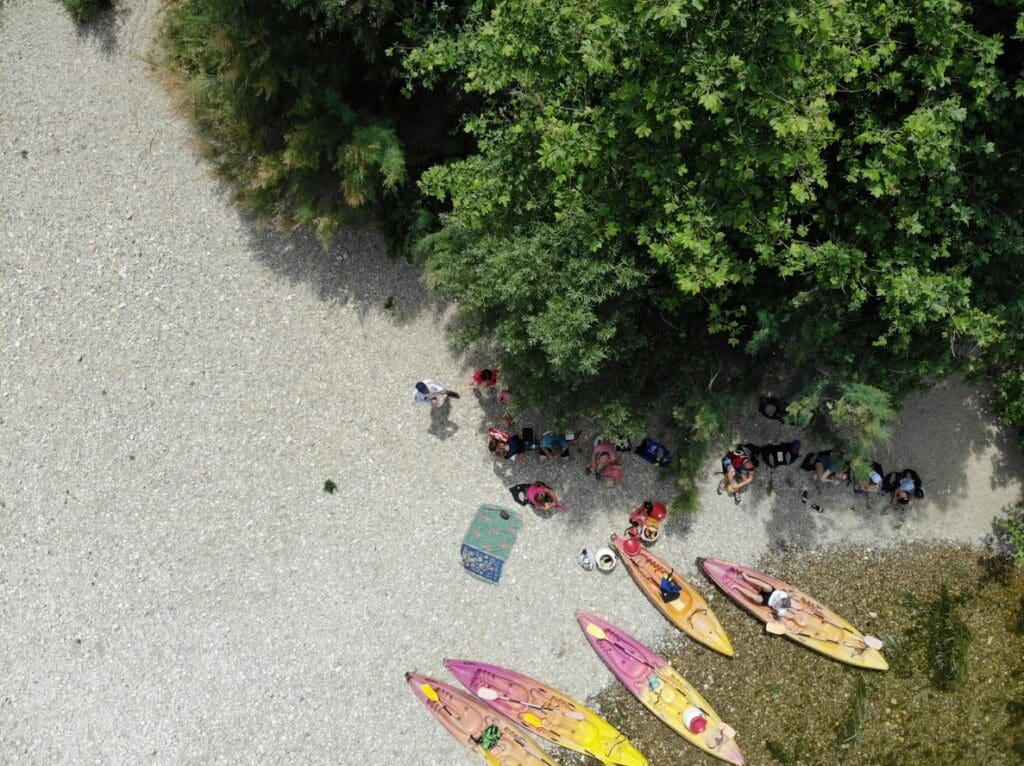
x=497, y=433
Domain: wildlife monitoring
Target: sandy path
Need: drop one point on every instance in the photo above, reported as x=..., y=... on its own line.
x=175, y=386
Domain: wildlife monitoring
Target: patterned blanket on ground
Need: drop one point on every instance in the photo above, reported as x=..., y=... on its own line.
x=489, y=540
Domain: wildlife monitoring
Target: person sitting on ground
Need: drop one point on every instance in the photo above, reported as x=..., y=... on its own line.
x=431, y=392
x=505, y=446
x=875, y=482
x=553, y=446
x=826, y=468
x=604, y=463
x=906, y=487
x=738, y=469
x=538, y=494
x=485, y=378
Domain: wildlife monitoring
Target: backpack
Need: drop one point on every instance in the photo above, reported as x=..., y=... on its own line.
x=748, y=450
x=669, y=590
x=785, y=453
x=654, y=452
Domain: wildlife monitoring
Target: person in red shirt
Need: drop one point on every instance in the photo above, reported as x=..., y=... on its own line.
x=485, y=378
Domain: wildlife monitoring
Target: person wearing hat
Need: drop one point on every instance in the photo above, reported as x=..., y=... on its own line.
x=430, y=392
x=779, y=601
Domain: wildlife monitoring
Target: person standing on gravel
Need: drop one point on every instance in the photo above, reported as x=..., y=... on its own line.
x=431, y=392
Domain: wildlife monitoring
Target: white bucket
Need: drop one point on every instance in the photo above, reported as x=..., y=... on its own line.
x=605, y=559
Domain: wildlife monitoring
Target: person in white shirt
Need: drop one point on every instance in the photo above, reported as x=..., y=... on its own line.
x=431, y=392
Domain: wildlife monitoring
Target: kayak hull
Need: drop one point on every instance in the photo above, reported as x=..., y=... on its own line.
x=466, y=717
x=690, y=612
x=822, y=630
x=659, y=687
x=550, y=714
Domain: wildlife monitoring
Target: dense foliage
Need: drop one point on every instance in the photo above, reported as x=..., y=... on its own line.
x=656, y=203
x=301, y=108
x=693, y=195
x=85, y=10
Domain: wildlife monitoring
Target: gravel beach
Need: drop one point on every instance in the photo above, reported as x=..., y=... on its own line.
x=176, y=385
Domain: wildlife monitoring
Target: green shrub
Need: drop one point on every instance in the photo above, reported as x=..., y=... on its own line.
x=1013, y=526
x=85, y=10
x=942, y=634
x=300, y=108
x=848, y=730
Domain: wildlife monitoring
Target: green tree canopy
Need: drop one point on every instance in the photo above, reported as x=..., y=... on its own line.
x=300, y=106
x=669, y=189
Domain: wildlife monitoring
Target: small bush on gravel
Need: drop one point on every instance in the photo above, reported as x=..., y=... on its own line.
x=84, y=10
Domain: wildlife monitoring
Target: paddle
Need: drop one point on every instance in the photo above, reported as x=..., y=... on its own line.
x=598, y=632
x=487, y=693
x=778, y=629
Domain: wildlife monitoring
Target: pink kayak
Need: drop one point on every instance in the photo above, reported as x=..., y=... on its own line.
x=661, y=689
x=807, y=621
x=546, y=712
x=478, y=726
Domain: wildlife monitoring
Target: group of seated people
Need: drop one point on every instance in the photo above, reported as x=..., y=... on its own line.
x=739, y=467
x=604, y=463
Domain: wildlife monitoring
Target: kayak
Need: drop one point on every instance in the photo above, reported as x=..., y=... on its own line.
x=659, y=687
x=690, y=612
x=546, y=712
x=477, y=726
x=809, y=623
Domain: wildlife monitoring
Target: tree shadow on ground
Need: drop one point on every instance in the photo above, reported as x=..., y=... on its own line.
x=354, y=271
x=104, y=28
x=948, y=435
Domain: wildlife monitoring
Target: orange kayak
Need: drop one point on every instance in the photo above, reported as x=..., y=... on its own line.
x=477, y=725
x=690, y=612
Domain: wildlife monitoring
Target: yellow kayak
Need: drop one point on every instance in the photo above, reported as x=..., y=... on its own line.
x=661, y=689
x=546, y=712
x=808, y=622
x=690, y=612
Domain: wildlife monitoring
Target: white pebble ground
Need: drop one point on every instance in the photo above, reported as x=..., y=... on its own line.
x=175, y=387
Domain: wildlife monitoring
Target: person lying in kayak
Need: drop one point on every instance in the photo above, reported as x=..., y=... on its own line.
x=784, y=607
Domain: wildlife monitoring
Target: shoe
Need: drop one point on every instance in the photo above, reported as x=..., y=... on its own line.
x=718, y=489
x=803, y=496
x=736, y=497
x=586, y=560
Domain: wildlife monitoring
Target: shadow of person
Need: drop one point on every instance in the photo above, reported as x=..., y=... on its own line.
x=441, y=424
